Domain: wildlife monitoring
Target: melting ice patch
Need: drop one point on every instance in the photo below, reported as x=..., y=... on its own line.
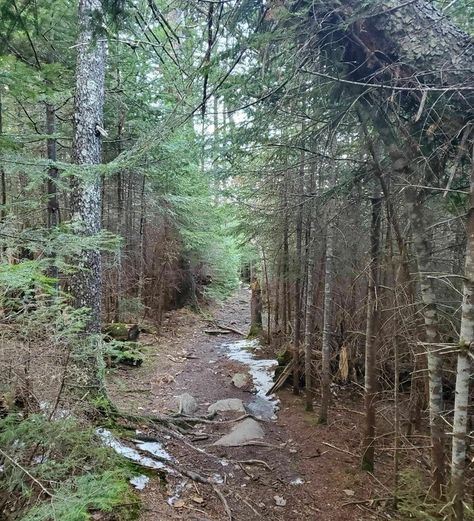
x=261, y=371
x=140, y=482
x=154, y=448
x=127, y=452
x=177, y=493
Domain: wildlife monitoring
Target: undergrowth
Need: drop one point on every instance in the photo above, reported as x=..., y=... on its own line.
x=58, y=470
x=415, y=502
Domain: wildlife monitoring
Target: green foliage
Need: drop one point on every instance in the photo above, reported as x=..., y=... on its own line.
x=415, y=503
x=75, y=498
x=120, y=352
x=68, y=459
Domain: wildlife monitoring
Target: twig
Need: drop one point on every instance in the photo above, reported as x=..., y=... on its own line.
x=255, y=462
x=339, y=449
x=224, y=502
x=11, y=460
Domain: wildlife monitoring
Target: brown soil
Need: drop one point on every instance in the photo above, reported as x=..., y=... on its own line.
x=186, y=359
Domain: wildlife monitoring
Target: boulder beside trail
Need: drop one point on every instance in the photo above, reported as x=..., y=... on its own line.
x=186, y=404
x=230, y=404
x=241, y=433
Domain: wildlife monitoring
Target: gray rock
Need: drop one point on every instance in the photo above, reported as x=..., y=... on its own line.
x=231, y=404
x=186, y=404
x=240, y=380
x=244, y=431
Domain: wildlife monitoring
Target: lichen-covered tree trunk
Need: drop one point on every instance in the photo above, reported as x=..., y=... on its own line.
x=327, y=326
x=87, y=151
x=370, y=394
x=86, y=282
x=463, y=373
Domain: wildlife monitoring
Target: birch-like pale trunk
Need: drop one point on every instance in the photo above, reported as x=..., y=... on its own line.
x=430, y=315
x=402, y=163
x=463, y=372
x=370, y=391
x=327, y=325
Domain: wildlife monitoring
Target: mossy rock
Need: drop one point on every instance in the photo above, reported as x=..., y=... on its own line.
x=121, y=331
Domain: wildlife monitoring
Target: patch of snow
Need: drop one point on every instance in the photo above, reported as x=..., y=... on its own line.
x=261, y=371
x=297, y=481
x=154, y=448
x=217, y=478
x=139, y=482
x=177, y=493
x=127, y=452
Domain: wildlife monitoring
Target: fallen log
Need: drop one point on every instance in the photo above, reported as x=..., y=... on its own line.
x=216, y=332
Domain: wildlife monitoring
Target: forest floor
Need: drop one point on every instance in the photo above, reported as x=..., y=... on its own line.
x=311, y=472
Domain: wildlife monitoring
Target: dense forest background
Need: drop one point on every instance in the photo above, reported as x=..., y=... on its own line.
x=153, y=154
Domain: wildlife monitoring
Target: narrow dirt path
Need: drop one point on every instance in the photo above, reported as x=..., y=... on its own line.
x=296, y=475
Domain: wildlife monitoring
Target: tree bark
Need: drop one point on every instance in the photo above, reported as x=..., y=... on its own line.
x=370, y=393
x=87, y=151
x=53, y=174
x=408, y=44
x=463, y=372
x=327, y=326
x=86, y=283
x=255, y=309
x=298, y=287
x=3, y=181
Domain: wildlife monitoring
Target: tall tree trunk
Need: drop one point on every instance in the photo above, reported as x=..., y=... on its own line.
x=309, y=322
x=298, y=287
x=327, y=325
x=402, y=161
x=3, y=181
x=86, y=283
x=54, y=217
x=463, y=372
x=430, y=315
x=255, y=309
x=370, y=393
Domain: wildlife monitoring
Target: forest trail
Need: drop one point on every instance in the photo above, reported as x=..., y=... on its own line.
x=302, y=478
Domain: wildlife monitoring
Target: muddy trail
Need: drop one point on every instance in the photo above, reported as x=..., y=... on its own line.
x=266, y=460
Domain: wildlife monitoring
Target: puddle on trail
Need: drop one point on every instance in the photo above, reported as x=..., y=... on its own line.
x=261, y=371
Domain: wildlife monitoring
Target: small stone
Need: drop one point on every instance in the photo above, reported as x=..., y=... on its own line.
x=279, y=501
x=348, y=492
x=240, y=380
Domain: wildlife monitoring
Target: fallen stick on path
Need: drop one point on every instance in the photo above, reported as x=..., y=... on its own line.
x=224, y=501
x=281, y=380
x=339, y=449
x=229, y=328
